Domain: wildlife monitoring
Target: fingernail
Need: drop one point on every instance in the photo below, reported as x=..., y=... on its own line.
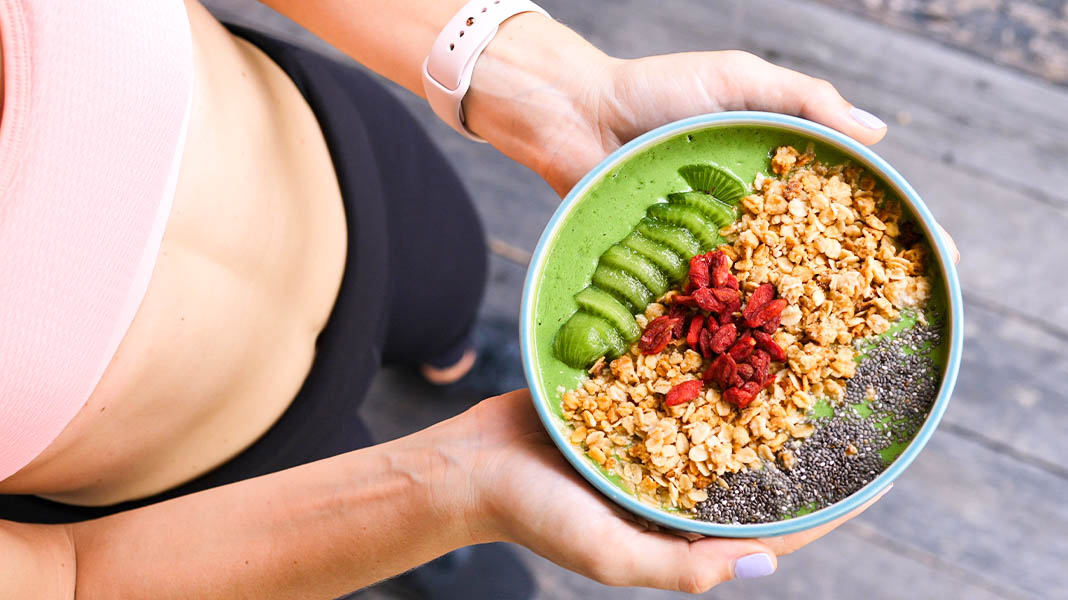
x=866, y=119
x=752, y=566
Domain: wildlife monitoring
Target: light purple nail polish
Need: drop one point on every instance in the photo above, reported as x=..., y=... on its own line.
x=752, y=566
x=866, y=119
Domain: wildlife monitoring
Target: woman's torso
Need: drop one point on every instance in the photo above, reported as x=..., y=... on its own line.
x=247, y=274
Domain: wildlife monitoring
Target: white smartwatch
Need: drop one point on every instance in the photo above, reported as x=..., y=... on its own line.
x=447, y=69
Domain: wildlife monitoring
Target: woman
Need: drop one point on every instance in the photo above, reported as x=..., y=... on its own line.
x=304, y=219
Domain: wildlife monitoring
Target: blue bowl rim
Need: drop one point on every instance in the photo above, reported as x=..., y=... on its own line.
x=856, y=151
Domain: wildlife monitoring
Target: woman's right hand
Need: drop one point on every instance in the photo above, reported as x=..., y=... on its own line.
x=526, y=493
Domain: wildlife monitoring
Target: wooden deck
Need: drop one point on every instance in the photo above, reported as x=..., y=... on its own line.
x=983, y=512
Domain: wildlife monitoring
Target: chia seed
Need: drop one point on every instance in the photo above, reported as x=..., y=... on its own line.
x=905, y=385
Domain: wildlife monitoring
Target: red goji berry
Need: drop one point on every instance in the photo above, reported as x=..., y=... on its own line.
x=766, y=313
x=765, y=343
x=678, y=325
x=723, y=338
x=719, y=265
x=752, y=387
x=707, y=300
x=731, y=299
x=745, y=371
x=682, y=393
x=738, y=396
x=653, y=329
x=721, y=371
x=761, y=296
x=742, y=348
x=678, y=312
x=684, y=300
x=699, y=271
x=655, y=344
x=657, y=335
x=726, y=317
x=657, y=325
x=761, y=362
x=693, y=334
x=771, y=325
x=704, y=341
x=711, y=325
x=731, y=282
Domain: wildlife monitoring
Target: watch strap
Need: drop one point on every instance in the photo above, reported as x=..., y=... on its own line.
x=447, y=69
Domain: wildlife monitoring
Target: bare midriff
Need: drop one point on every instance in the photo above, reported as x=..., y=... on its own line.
x=248, y=272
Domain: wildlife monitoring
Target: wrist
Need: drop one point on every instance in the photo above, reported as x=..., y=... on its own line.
x=450, y=464
x=522, y=101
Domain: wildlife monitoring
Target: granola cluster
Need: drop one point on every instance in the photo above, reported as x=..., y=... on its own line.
x=830, y=242
x=670, y=454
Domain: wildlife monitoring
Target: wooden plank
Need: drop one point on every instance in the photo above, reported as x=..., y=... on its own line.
x=504, y=291
x=840, y=565
x=1031, y=36
x=1012, y=387
x=1004, y=522
x=1012, y=247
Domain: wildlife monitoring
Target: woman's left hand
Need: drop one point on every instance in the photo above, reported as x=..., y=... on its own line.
x=520, y=489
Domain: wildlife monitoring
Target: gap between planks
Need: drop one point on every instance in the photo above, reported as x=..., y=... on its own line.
x=510, y=253
x=967, y=433
x=1009, y=312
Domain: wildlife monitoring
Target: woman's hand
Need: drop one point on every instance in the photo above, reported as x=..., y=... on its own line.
x=552, y=101
x=635, y=96
x=528, y=494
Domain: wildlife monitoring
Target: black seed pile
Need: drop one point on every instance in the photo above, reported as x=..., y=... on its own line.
x=826, y=468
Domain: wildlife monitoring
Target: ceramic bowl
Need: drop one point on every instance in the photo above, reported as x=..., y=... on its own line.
x=590, y=219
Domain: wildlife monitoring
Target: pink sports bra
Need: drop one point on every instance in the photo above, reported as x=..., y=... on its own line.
x=96, y=104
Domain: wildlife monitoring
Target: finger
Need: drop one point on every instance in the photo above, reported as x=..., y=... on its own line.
x=755, y=84
x=953, y=251
x=786, y=544
x=667, y=561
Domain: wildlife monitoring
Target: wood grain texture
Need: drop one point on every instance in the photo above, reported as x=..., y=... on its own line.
x=981, y=514
x=1031, y=36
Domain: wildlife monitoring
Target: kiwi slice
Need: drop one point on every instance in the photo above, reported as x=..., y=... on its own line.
x=720, y=213
x=679, y=240
x=716, y=180
x=704, y=230
x=624, y=286
x=584, y=338
x=641, y=268
x=668, y=260
x=604, y=305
